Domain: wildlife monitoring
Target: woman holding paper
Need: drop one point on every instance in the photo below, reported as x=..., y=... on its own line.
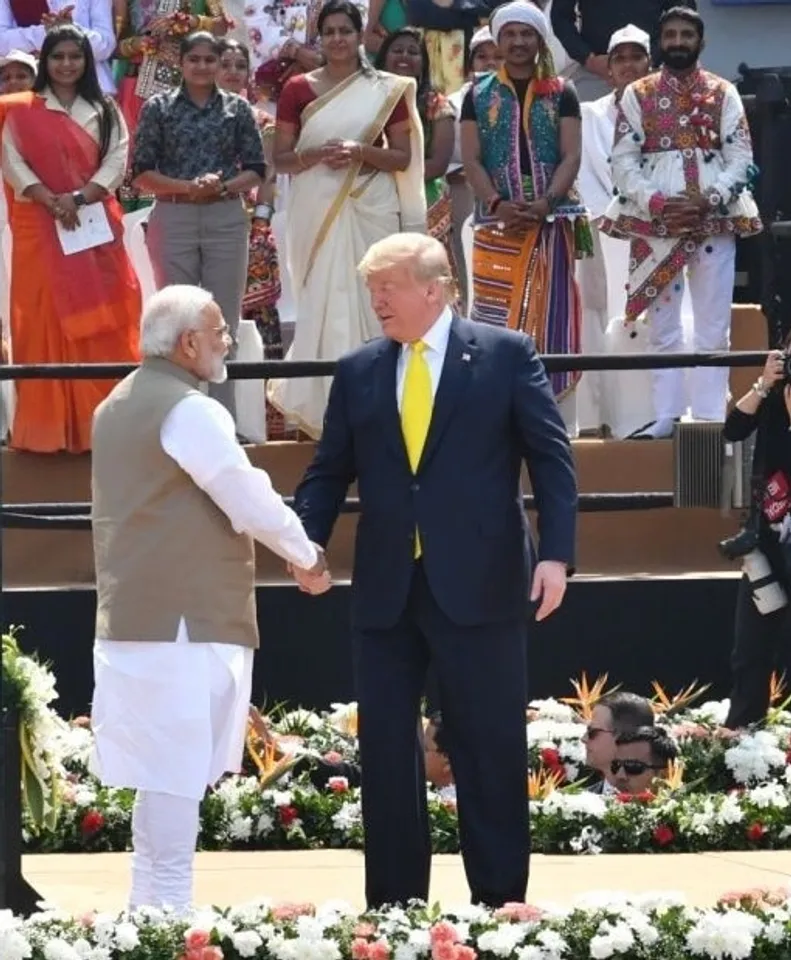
x=64, y=152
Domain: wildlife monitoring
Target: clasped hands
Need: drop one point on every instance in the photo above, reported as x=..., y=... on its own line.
x=335, y=154
x=50, y=20
x=685, y=212
x=205, y=187
x=516, y=214
x=313, y=580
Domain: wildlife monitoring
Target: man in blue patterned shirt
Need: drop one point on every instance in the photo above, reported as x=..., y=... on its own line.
x=198, y=150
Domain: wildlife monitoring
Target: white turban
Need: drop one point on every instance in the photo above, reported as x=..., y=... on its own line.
x=519, y=11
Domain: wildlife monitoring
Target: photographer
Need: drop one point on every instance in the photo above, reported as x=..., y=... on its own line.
x=763, y=622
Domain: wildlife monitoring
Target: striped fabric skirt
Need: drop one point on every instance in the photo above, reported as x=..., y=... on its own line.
x=525, y=281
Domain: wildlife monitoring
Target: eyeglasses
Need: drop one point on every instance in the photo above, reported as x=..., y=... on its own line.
x=632, y=768
x=593, y=732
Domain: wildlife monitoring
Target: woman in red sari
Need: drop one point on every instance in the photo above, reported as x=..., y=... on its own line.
x=64, y=150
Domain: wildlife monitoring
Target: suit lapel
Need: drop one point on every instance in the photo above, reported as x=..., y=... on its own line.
x=456, y=372
x=385, y=389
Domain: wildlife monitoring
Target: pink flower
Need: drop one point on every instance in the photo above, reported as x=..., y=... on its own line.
x=290, y=911
x=87, y=919
x=364, y=929
x=518, y=913
x=443, y=932
x=379, y=950
x=360, y=949
x=338, y=784
x=443, y=950
x=212, y=953
x=333, y=757
x=196, y=939
x=465, y=953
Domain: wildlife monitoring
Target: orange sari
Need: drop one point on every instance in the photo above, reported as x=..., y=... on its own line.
x=84, y=308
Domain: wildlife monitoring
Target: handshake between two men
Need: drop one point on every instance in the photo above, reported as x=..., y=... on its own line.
x=313, y=580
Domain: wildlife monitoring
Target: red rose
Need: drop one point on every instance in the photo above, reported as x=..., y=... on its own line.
x=550, y=757
x=91, y=823
x=645, y=797
x=624, y=797
x=663, y=835
x=338, y=784
x=288, y=814
x=756, y=832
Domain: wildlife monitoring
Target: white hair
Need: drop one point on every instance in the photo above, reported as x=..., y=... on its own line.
x=170, y=312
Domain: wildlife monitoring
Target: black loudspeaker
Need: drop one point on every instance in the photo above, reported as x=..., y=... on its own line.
x=764, y=264
x=16, y=894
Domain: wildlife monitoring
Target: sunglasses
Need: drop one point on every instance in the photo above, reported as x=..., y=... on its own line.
x=594, y=732
x=632, y=768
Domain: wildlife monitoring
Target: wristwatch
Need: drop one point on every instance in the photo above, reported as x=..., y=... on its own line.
x=759, y=387
x=79, y=198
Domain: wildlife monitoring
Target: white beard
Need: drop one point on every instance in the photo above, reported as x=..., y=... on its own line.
x=219, y=373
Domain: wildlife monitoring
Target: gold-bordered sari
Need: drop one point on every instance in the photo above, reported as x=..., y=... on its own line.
x=333, y=217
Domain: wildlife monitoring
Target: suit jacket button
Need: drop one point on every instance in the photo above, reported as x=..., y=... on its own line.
x=415, y=487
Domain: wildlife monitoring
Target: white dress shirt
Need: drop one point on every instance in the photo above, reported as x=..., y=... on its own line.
x=171, y=717
x=436, y=341
x=95, y=17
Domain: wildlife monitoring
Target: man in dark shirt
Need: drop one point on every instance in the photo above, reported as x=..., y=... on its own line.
x=584, y=28
x=198, y=150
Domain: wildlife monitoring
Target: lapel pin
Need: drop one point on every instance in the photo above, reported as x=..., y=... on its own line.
x=465, y=357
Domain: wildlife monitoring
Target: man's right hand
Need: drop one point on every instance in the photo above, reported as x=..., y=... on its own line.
x=680, y=213
x=313, y=580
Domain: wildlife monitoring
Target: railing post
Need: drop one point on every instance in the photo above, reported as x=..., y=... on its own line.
x=16, y=894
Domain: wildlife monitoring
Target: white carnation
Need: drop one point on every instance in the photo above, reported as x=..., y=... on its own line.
x=246, y=943
x=126, y=937
x=58, y=949
x=503, y=940
x=13, y=946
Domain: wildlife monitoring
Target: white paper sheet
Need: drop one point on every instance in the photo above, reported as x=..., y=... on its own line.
x=93, y=230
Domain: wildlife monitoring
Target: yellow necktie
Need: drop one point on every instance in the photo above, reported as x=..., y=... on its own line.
x=416, y=406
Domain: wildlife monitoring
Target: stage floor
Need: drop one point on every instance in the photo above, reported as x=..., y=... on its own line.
x=81, y=882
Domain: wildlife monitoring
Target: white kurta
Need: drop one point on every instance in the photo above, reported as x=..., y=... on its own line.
x=171, y=717
x=620, y=398
x=95, y=17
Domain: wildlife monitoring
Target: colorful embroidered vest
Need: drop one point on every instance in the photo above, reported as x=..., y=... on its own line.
x=498, y=116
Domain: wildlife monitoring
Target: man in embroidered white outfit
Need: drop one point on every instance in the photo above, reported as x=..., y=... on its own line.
x=602, y=278
x=176, y=508
x=681, y=163
x=23, y=24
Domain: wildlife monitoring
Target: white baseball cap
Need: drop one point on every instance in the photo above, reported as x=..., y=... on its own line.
x=481, y=36
x=630, y=34
x=19, y=56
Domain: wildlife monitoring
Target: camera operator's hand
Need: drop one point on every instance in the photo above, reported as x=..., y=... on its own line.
x=773, y=371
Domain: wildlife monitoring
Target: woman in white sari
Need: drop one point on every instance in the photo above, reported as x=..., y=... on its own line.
x=352, y=141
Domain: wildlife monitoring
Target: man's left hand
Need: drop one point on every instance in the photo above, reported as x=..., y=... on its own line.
x=549, y=587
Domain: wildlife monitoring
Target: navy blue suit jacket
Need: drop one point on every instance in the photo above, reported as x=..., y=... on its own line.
x=493, y=410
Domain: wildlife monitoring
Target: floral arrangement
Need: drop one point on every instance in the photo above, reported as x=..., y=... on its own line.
x=28, y=689
x=597, y=926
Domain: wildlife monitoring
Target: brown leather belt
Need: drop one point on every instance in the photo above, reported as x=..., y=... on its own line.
x=185, y=198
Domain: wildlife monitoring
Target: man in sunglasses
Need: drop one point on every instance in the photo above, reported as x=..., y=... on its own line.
x=642, y=757
x=613, y=715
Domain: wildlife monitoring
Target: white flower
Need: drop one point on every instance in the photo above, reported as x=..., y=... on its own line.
x=246, y=943
x=611, y=938
x=407, y=951
x=754, y=757
x=572, y=805
x=730, y=810
x=724, y=935
x=348, y=816
x=769, y=795
x=240, y=828
x=589, y=841
x=264, y=825
x=503, y=940
x=126, y=936
x=344, y=717
x=58, y=949
x=531, y=952
x=553, y=710
x=14, y=946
